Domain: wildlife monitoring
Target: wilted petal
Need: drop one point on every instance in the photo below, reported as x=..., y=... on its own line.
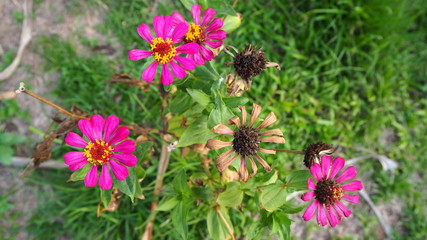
x=105, y=181
x=217, y=144
x=270, y=119
x=243, y=170
x=256, y=110
x=263, y=163
x=309, y=212
x=254, y=167
x=92, y=176
x=275, y=131
x=234, y=121
x=224, y=160
x=222, y=129
x=273, y=139
x=268, y=151
x=244, y=114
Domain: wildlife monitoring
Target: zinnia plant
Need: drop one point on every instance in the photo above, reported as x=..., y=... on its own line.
x=164, y=51
x=329, y=190
x=105, y=146
x=203, y=31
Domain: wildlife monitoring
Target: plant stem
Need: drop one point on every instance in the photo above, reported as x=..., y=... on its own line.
x=63, y=111
x=289, y=151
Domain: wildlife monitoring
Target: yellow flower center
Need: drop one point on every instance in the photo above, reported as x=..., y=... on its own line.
x=337, y=193
x=194, y=34
x=98, y=153
x=163, y=52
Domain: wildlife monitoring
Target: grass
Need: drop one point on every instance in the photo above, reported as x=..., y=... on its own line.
x=353, y=74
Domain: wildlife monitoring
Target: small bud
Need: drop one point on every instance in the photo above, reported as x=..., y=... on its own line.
x=314, y=152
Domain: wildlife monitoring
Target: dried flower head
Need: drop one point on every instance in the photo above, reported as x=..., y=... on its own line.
x=246, y=141
x=248, y=63
x=314, y=152
x=105, y=146
x=328, y=191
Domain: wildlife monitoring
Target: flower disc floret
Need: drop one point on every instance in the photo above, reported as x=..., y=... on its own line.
x=98, y=153
x=195, y=34
x=328, y=192
x=163, y=51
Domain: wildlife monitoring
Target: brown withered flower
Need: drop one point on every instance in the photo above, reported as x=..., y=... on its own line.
x=246, y=141
x=248, y=63
x=314, y=152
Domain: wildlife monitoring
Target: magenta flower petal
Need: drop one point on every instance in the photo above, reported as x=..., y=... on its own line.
x=217, y=35
x=126, y=158
x=213, y=44
x=351, y=198
x=206, y=53
x=150, y=72
x=167, y=27
x=321, y=216
x=352, y=186
x=189, y=48
x=332, y=218
x=86, y=127
x=311, y=184
x=325, y=164
x=316, y=171
x=159, y=23
x=119, y=171
x=105, y=181
x=73, y=139
x=145, y=32
x=166, y=75
x=309, y=212
x=186, y=63
x=215, y=25
x=307, y=196
x=195, y=11
x=178, y=18
x=343, y=209
x=337, y=211
x=127, y=146
x=178, y=71
x=97, y=126
x=198, y=59
x=348, y=174
x=119, y=135
x=75, y=160
x=179, y=32
x=207, y=16
x=137, y=54
x=92, y=176
x=337, y=165
x=111, y=124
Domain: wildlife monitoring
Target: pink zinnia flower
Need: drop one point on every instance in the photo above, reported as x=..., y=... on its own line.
x=106, y=146
x=164, y=51
x=329, y=191
x=203, y=31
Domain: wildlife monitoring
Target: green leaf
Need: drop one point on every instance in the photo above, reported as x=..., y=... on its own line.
x=233, y=102
x=6, y=153
x=80, y=174
x=187, y=4
x=281, y=224
x=289, y=208
x=180, y=184
x=297, y=180
x=181, y=102
x=222, y=7
x=273, y=196
x=232, y=196
x=143, y=150
x=219, y=224
x=179, y=218
x=167, y=204
x=199, y=96
x=197, y=132
x=106, y=196
x=218, y=116
x=130, y=186
x=231, y=23
x=201, y=193
x=11, y=139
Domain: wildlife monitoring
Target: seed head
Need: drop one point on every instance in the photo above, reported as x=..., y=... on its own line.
x=314, y=152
